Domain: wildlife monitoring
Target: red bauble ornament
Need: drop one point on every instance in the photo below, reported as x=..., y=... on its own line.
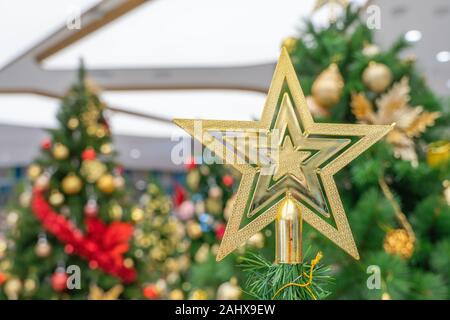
x=227, y=180
x=151, y=292
x=2, y=278
x=46, y=144
x=179, y=195
x=59, y=281
x=220, y=231
x=119, y=170
x=89, y=154
x=190, y=164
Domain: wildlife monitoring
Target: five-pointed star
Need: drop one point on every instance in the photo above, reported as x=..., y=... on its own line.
x=322, y=149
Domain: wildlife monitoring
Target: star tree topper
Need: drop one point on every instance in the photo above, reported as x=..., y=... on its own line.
x=306, y=157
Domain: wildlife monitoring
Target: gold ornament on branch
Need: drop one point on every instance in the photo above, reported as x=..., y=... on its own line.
x=377, y=77
x=12, y=288
x=92, y=170
x=398, y=242
x=438, y=153
x=370, y=50
x=71, y=184
x=229, y=290
x=106, y=184
x=198, y=294
x=43, y=248
x=292, y=166
x=33, y=171
x=73, y=123
x=56, y=198
x=176, y=294
x=393, y=107
x=42, y=182
x=106, y=148
x=60, y=151
x=327, y=88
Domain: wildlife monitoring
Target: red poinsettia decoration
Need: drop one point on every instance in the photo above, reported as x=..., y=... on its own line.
x=102, y=245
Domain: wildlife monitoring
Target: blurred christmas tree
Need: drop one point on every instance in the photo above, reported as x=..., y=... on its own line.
x=73, y=213
x=394, y=193
x=205, y=206
x=164, y=238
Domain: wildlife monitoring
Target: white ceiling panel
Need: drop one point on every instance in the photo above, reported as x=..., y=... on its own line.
x=24, y=23
x=189, y=32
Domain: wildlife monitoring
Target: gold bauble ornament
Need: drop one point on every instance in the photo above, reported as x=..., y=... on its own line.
x=256, y=240
x=100, y=132
x=92, y=170
x=128, y=263
x=71, y=184
x=193, y=179
x=213, y=205
x=202, y=253
x=438, y=153
x=289, y=43
x=60, y=151
x=29, y=285
x=25, y=199
x=73, y=123
x=194, y=230
x=12, y=288
x=119, y=182
x=42, y=182
x=106, y=148
x=106, y=184
x=229, y=290
x=116, y=212
x=385, y=296
x=377, y=77
x=198, y=294
x=56, y=198
x=43, y=248
x=176, y=294
x=137, y=214
x=327, y=88
x=370, y=50
x=12, y=218
x=398, y=242
x=33, y=171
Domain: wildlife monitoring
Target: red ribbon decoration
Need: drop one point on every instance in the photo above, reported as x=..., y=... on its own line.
x=102, y=245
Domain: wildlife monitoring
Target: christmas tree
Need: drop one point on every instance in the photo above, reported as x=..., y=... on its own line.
x=71, y=233
x=204, y=207
x=396, y=195
x=164, y=238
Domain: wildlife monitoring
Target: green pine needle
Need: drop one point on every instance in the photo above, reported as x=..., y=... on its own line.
x=266, y=278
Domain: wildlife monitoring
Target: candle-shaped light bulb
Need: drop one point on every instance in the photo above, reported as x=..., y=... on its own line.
x=288, y=230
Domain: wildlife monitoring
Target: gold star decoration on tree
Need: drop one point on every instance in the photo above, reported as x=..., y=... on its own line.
x=296, y=157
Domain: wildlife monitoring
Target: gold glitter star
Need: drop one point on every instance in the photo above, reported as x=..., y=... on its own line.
x=297, y=156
